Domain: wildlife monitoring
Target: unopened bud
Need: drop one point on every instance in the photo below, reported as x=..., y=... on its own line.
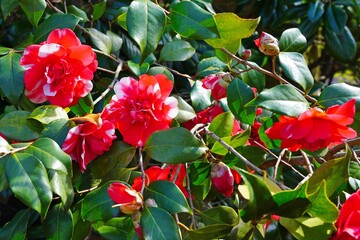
x=224, y=79
x=246, y=54
x=268, y=44
x=222, y=178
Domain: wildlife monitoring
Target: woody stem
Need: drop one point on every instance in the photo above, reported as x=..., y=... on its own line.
x=143, y=176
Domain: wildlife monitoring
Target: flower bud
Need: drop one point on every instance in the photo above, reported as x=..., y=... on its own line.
x=222, y=178
x=268, y=44
x=224, y=79
x=246, y=54
x=129, y=200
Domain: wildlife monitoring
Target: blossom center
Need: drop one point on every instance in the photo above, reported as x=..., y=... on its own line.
x=57, y=71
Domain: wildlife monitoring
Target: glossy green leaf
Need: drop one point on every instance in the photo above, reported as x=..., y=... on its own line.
x=334, y=172
x=253, y=78
x=81, y=227
x=3, y=181
x=191, y=21
x=121, y=20
x=119, y=156
x=338, y=93
x=238, y=95
x=211, y=65
x=252, y=153
x=11, y=77
x=305, y=228
x=4, y=50
x=316, y=10
x=296, y=69
x=282, y=99
x=217, y=231
x=292, y=40
x=116, y=228
x=200, y=97
x=221, y=125
x=57, y=130
x=56, y=20
x=33, y=9
x=138, y=69
x=158, y=224
x=84, y=106
x=29, y=181
x=175, y=145
x=260, y=202
x=78, y=12
x=16, y=229
x=116, y=41
x=199, y=172
x=292, y=203
x=47, y=113
x=186, y=112
x=178, y=50
x=321, y=206
x=145, y=23
x=58, y=165
x=232, y=29
x=97, y=205
x=58, y=223
x=341, y=45
x=335, y=18
x=7, y=7
x=100, y=40
x=167, y=196
x=98, y=10
x=234, y=141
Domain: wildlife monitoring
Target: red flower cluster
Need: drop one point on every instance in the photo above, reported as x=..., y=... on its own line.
x=348, y=223
x=58, y=70
x=142, y=107
x=89, y=139
x=315, y=129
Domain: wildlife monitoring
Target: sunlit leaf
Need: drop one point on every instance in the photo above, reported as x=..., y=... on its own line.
x=33, y=9
x=47, y=113
x=178, y=50
x=292, y=40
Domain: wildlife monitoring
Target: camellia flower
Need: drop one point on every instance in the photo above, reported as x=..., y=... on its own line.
x=268, y=44
x=58, y=70
x=222, y=178
x=142, y=107
x=92, y=137
x=129, y=200
x=217, y=83
x=315, y=129
x=348, y=223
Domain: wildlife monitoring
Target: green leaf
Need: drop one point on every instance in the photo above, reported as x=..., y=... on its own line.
x=296, y=69
x=260, y=201
x=233, y=141
x=186, y=112
x=16, y=229
x=334, y=172
x=175, y=145
x=4, y=50
x=97, y=205
x=253, y=78
x=341, y=45
x=200, y=97
x=338, y=93
x=191, y=21
x=292, y=40
x=11, y=77
x=167, y=196
x=335, y=18
x=58, y=223
x=211, y=65
x=29, y=182
x=282, y=99
x=3, y=181
x=7, y=7
x=100, y=40
x=78, y=12
x=57, y=130
x=98, y=10
x=116, y=228
x=305, y=228
x=47, y=113
x=116, y=41
x=84, y=106
x=138, y=69
x=145, y=23
x=316, y=11
x=232, y=29
x=161, y=70
x=158, y=224
x=292, y=203
x=199, y=172
x=16, y=126
x=81, y=227
x=238, y=95
x=33, y=9
x=321, y=206
x=178, y=50
x=221, y=125
x=252, y=153
x=56, y=20
x=58, y=165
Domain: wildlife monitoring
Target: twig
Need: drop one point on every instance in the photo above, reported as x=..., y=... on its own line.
x=190, y=196
x=174, y=71
x=105, y=70
x=307, y=161
x=271, y=74
x=143, y=176
x=352, y=142
x=278, y=162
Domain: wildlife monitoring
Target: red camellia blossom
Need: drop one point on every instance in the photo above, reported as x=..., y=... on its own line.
x=222, y=178
x=129, y=200
x=92, y=137
x=315, y=129
x=218, y=84
x=348, y=223
x=58, y=70
x=142, y=107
